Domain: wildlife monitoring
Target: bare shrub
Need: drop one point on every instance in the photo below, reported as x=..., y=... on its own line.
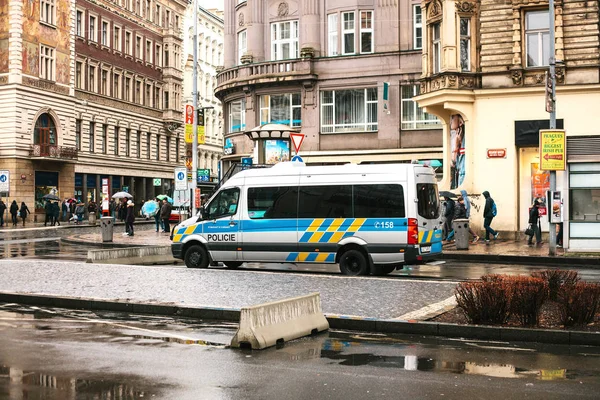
x=484, y=302
x=556, y=279
x=579, y=303
x=527, y=294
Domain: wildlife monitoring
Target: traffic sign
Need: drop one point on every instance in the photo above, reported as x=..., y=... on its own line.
x=204, y=172
x=297, y=159
x=157, y=181
x=297, y=139
x=180, y=178
x=4, y=181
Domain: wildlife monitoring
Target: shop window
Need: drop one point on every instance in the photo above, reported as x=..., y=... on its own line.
x=353, y=110
x=281, y=109
x=46, y=182
x=413, y=116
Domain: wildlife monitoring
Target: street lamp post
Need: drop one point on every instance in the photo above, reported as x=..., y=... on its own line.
x=552, y=100
x=195, y=123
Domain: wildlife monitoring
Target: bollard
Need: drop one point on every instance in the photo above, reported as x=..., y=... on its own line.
x=107, y=226
x=461, y=233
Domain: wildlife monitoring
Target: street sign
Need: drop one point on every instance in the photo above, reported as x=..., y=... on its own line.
x=126, y=189
x=204, y=172
x=297, y=159
x=4, y=181
x=297, y=139
x=180, y=178
x=496, y=153
x=553, y=150
x=157, y=181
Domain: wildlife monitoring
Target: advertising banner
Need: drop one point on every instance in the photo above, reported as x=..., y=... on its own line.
x=553, y=150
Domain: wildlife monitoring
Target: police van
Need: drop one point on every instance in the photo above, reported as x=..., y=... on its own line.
x=366, y=218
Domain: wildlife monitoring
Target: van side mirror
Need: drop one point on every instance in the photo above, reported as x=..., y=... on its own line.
x=202, y=212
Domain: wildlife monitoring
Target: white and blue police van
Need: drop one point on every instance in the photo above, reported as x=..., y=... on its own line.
x=366, y=218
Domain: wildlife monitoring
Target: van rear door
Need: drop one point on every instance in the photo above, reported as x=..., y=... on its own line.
x=428, y=216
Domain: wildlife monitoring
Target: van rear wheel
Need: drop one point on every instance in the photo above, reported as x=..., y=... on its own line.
x=353, y=262
x=379, y=270
x=232, y=264
x=196, y=257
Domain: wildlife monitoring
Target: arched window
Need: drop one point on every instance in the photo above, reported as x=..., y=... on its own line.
x=45, y=130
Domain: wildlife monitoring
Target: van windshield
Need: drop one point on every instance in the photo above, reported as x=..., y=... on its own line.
x=428, y=199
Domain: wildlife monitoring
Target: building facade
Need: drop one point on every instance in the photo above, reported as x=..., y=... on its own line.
x=210, y=59
x=90, y=91
x=343, y=73
x=484, y=65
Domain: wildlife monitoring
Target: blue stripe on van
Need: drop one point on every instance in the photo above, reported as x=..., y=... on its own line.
x=292, y=257
x=330, y=258
x=311, y=257
x=305, y=237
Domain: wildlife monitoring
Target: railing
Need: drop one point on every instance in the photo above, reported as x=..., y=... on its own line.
x=265, y=69
x=53, y=151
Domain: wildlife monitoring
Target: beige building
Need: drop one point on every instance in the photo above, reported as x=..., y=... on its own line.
x=343, y=73
x=90, y=91
x=483, y=75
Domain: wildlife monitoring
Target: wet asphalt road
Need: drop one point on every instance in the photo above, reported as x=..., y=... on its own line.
x=62, y=354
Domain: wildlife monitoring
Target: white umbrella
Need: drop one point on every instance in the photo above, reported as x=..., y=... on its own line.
x=120, y=195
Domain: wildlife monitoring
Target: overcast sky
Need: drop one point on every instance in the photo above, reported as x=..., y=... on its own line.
x=211, y=4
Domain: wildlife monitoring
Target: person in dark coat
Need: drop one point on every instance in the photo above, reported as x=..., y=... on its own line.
x=14, y=209
x=2, y=211
x=165, y=214
x=64, y=207
x=534, y=220
x=488, y=216
x=55, y=213
x=49, y=213
x=130, y=218
x=24, y=212
x=449, y=214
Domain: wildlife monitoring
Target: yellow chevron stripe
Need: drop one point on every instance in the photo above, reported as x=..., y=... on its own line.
x=177, y=238
x=356, y=224
x=429, y=236
x=316, y=237
x=189, y=230
x=421, y=234
x=336, y=237
x=315, y=225
x=336, y=224
x=321, y=257
x=302, y=257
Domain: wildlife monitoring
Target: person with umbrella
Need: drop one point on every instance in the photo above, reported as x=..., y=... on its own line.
x=130, y=218
x=48, y=211
x=165, y=214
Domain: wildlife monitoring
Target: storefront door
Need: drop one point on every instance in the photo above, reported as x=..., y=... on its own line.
x=533, y=183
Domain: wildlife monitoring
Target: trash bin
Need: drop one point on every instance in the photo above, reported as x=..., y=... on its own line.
x=461, y=233
x=92, y=218
x=107, y=226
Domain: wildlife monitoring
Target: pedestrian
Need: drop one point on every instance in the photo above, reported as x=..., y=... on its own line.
x=122, y=209
x=449, y=215
x=165, y=214
x=55, y=213
x=559, y=235
x=65, y=209
x=79, y=212
x=24, y=212
x=467, y=204
x=160, y=225
x=2, y=211
x=534, y=223
x=49, y=212
x=112, y=208
x=489, y=212
x=130, y=218
x=14, y=211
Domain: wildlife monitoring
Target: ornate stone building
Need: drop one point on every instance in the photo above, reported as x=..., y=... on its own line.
x=90, y=91
x=343, y=73
x=483, y=74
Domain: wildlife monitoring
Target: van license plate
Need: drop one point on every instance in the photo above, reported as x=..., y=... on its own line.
x=425, y=249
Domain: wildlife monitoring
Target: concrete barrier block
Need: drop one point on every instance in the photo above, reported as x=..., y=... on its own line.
x=265, y=325
x=132, y=255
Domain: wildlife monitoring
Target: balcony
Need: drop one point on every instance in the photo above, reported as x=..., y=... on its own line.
x=53, y=151
x=265, y=73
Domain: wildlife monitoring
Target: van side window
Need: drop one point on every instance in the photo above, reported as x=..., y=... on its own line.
x=428, y=200
x=379, y=201
x=332, y=201
x=272, y=202
x=224, y=204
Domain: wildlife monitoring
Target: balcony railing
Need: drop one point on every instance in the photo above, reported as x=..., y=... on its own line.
x=53, y=151
x=290, y=69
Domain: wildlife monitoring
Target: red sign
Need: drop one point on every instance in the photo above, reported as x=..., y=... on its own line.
x=189, y=114
x=297, y=139
x=553, y=157
x=496, y=153
x=197, y=196
x=542, y=210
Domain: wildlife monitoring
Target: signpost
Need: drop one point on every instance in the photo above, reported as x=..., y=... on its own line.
x=496, y=153
x=203, y=175
x=297, y=139
x=4, y=181
x=157, y=181
x=553, y=150
x=180, y=178
x=105, y=207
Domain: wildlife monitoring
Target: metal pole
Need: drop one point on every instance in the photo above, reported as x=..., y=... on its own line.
x=552, y=236
x=195, y=124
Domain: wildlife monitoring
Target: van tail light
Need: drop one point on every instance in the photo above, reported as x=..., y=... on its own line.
x=413, y=231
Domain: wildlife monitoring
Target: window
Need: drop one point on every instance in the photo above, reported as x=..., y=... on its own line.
x=242, y=45
x=156, y=98
x=168, y=147
x=139, y=144
x=138, y=47
x=46, y=63
x=352, y=110
x=237, y=115
x=158, y=147
x=104, y=82
x=79, y=23
x=127, y=141
x=537, y=38
x=148, y=95
x=138, y=92
x=366, y=31
x=148, y=148
x=117, y=38
x=331, y=201
x=465, y=44
x=224, y=204
x=92, y=81
x=92, y=137
x=148, y=51
x=116, y=84
x=177, y=21
x=166, y=59
x=168, y=18
x=128, y=43
x=428, y=200
x=44, y=132
x=92, y=32
x=104, y=37
x=158, y=55
x=281, y=109
x=436, y=47
x=116, y=133
x=78, y=134
x=166, y=100
x=284, y=40
x=48, y=11
x=104, y=143
x=147, y=14
x=348, y=33
x=157, y=15
x=413, y=116
x=417, y=28
x=332, y=35
x=127, y=89
x=273, y=202
x=78, y=75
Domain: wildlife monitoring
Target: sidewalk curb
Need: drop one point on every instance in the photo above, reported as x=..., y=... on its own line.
x=102, y=245
x=335, y=321
x=506, y=258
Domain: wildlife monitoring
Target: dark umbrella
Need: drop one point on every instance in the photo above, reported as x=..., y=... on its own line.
x=50, y=197
x=445, y=193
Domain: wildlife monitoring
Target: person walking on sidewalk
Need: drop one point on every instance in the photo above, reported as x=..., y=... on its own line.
x=160, y=226
x=14, y=210
x=49, y=212
x=24, y=212
x=2, y=211
x=165, y=214
x=55, y=213
x=130, y=218
x=449, y=211
x=534, y=221
x=489, y=212
x=467, y=204
x=64, y=207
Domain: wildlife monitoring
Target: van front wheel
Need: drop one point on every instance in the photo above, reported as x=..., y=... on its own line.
x=353, y=262
x=196, y=257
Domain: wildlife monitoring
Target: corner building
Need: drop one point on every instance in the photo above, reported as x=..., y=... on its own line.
x=344, y=73
x=90, y=91
x=484, y=64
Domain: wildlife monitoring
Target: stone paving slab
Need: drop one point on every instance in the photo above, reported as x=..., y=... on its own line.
x=368, y=297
